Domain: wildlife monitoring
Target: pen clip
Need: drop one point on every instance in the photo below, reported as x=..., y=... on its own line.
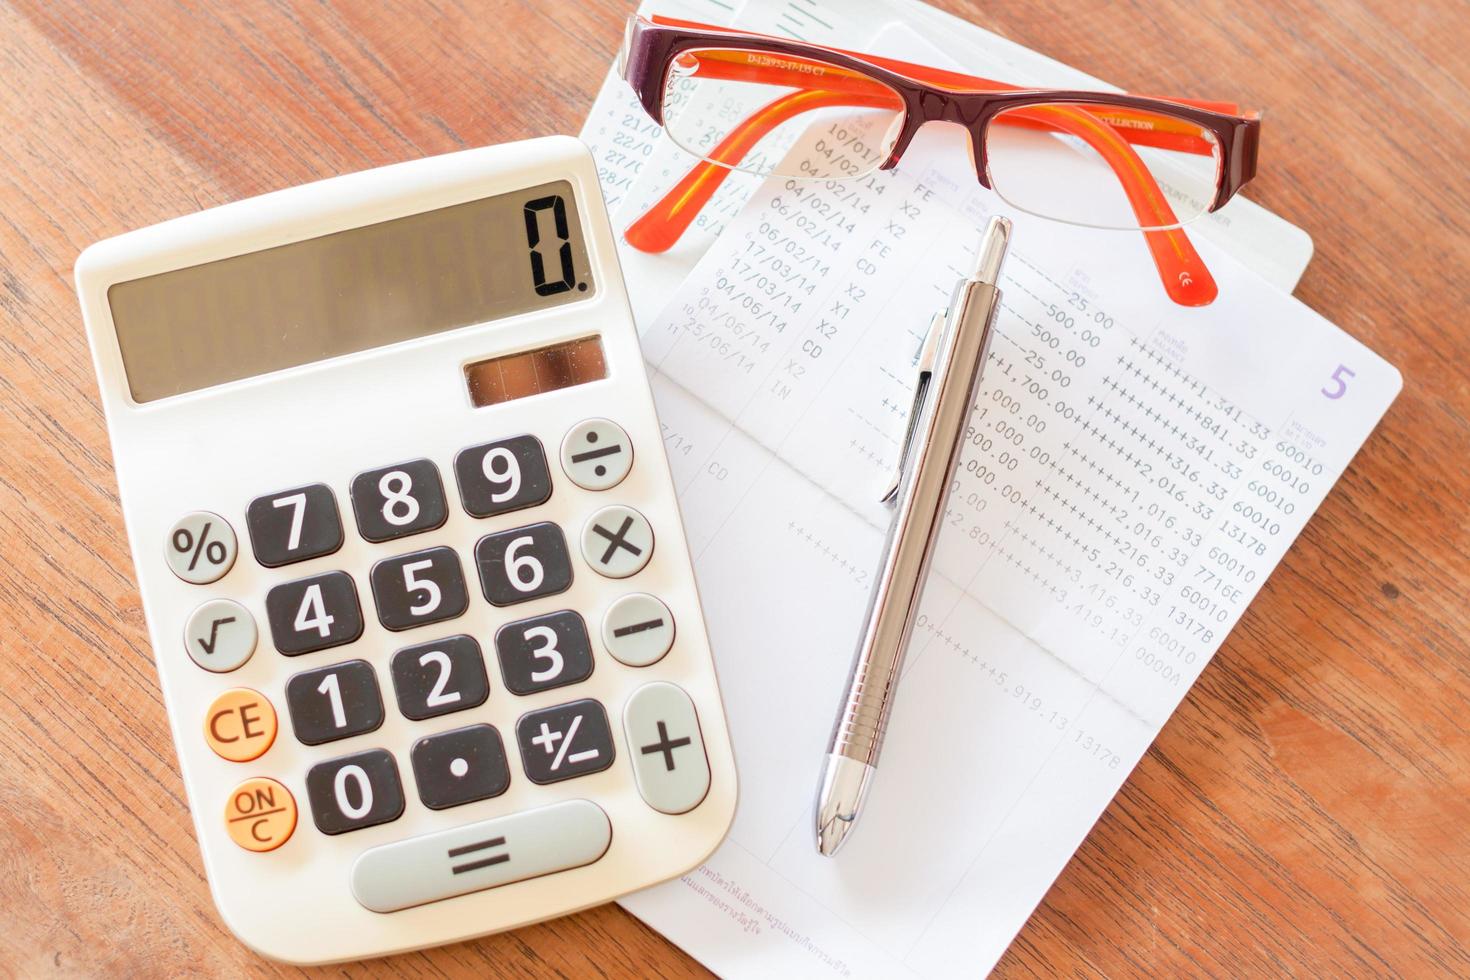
x=923, y=380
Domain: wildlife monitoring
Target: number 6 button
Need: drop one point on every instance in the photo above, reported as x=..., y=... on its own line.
x=523, y=563
x=396, y=501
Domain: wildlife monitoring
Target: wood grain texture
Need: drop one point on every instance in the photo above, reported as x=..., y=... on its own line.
x=1306, y=810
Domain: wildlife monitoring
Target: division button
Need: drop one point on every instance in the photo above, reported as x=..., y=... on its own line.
x=260, y=814
x=240, y=725
x=638, y=630
x=668, y=752
x=596, y=454
x=617, y=541
x=480, y=855
x=200, y=548
x=460, y=766
x=220, y=635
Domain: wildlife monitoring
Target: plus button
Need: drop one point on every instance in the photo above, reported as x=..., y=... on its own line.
x=666, y=746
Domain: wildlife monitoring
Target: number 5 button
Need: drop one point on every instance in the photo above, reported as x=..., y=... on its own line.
x=617, y=541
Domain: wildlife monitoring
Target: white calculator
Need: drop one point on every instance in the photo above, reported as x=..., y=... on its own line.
x=410, y=554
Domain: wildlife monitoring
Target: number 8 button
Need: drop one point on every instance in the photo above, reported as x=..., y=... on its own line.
x=400, y=500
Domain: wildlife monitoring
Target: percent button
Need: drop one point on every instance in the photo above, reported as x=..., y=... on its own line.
x=200, y=548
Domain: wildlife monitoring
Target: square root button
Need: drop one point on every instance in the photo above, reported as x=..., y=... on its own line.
x=481, y=855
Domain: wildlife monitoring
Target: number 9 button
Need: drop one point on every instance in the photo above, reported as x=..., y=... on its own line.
x=500, y=477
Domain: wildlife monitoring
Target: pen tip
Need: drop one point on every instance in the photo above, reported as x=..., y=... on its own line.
x=831, y=834
x=992, y=249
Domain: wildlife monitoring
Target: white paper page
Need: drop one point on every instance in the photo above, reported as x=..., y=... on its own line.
x=1134, y=471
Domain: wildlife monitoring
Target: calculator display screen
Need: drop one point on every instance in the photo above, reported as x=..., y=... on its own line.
x=351, y=290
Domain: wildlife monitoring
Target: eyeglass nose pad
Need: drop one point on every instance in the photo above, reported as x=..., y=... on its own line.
x=896, y=139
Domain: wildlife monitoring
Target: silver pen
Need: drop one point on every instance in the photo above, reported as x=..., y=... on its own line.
x=950, y=363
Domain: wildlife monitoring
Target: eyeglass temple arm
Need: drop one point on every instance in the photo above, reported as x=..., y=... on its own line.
x=1182, y=272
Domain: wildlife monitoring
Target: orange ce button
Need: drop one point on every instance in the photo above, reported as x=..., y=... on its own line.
x=260, y=814
x=240, y=725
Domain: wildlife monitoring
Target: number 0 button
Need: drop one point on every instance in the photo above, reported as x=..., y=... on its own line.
x=617, y=541
x=499, y=477
x=314, y=613
x=355, y=791
x=294, y=525
x=396, y=501
x=523, y=563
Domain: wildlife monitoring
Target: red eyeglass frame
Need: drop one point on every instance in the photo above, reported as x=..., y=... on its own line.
x=651, y=46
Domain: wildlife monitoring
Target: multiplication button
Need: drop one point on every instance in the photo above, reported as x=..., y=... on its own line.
x=617, y=541
x=200, y=548
x=596, y=454
x=220, y=635
x=638, y=630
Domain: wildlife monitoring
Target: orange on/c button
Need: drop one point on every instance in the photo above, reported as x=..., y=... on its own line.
x=260, y=814
x=240, y=725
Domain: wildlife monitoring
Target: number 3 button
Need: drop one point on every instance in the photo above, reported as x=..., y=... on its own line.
x=544, y=652
x=398, y=500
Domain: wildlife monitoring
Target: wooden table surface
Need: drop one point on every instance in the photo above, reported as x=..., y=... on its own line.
x=1308, y=807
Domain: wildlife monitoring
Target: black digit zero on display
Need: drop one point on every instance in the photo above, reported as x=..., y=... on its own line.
x=314, y=613
x=523, y=563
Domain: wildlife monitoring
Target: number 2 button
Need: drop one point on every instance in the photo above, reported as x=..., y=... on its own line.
x=398, y=500
x=503, y=476
x=422, y=587
x=294, y=525
x=439, y=677
x=314, y=613
x=523, y=563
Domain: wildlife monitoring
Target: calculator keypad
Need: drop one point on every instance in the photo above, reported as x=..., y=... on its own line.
x=460, y=766
x=565, y=741
x=396, y=501
x=523, y=563
x=354, y=791
x=314, y=613
x=433, y=678
x=499, y=477
x=419, y=588
x=544, y=652
x=334, y=702
x=439, y=677
x=294, y=525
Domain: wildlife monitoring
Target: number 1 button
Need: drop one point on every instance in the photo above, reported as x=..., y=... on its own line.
x=499, y=477
x=294, y=525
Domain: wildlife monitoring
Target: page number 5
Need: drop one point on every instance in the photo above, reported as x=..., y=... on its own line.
x=1339, y=378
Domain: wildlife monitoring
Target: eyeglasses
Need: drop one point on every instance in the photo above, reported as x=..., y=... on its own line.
x=740, y=101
